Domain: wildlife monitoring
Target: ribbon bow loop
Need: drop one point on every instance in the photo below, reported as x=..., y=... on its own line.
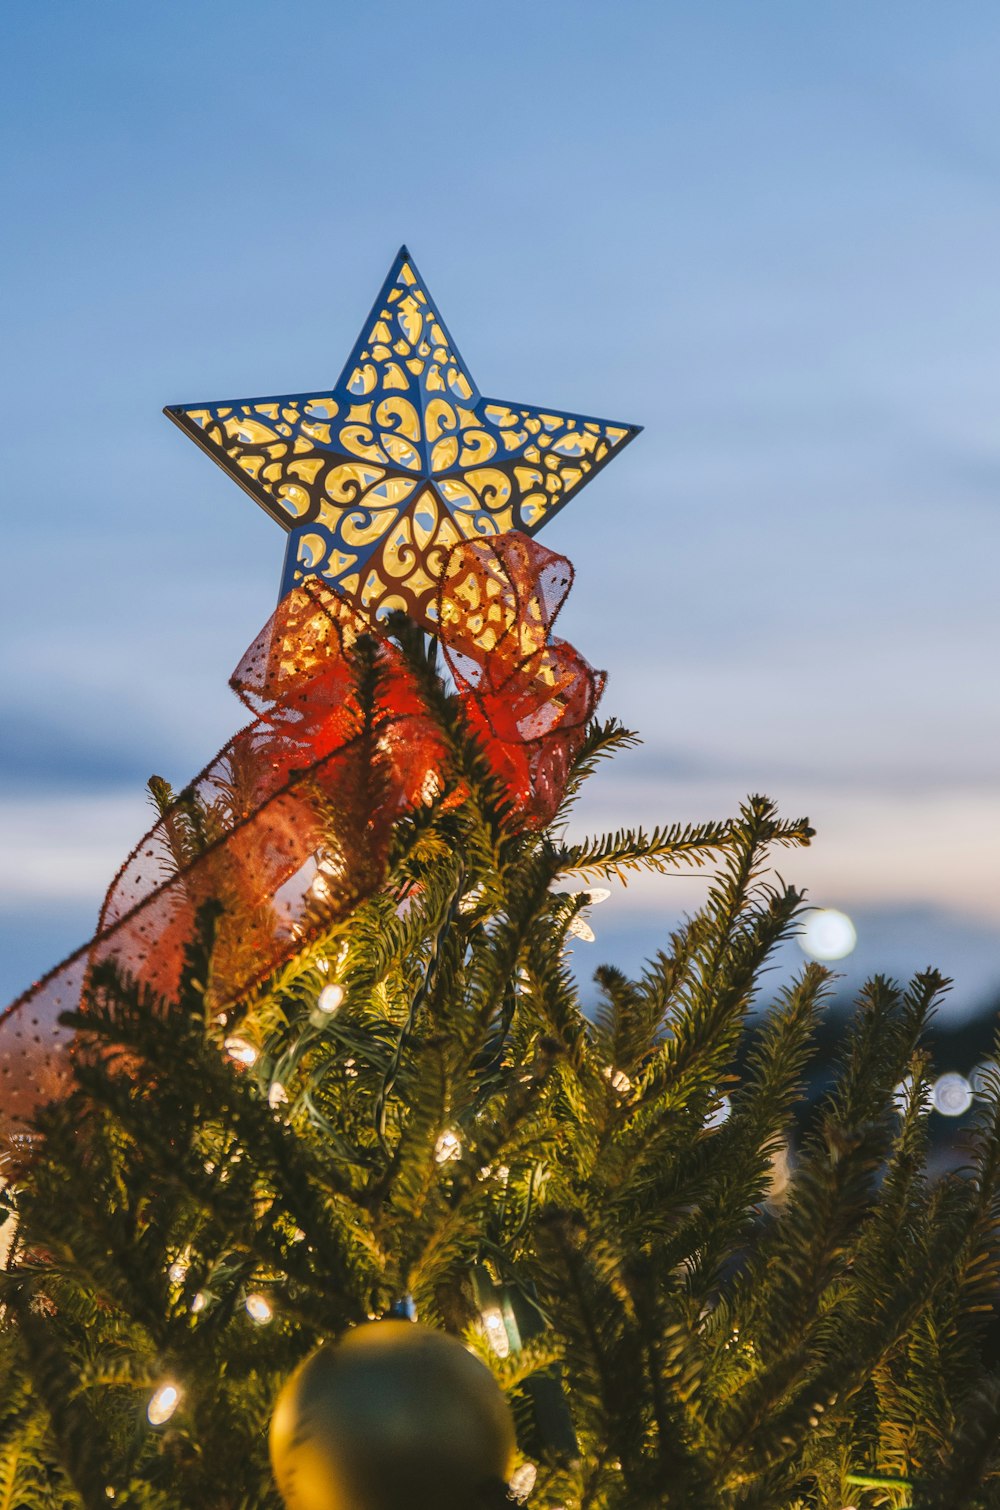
x=288, y=828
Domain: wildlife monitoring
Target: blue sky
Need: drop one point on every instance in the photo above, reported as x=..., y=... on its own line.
x=769, y=233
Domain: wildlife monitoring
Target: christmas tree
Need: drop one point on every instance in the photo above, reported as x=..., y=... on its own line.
x=324, y=1071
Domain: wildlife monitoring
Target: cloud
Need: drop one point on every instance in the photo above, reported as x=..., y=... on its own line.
x=42, y=749
x=872, y=848
x=57, y=850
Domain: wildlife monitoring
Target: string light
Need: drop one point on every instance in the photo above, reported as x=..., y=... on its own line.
x=178, y=1270
x=199, y=1303
x=578, y=929
x=240, y=1050
x=163, y=1403
x=496, y=1332
x=331, y=998
x=431, y=789
x=277, y=1095
x=258, y=1308
x=447, y=1148
x=595, y=894
x=522, y=1481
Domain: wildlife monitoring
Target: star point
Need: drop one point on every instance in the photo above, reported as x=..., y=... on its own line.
x=377, y=478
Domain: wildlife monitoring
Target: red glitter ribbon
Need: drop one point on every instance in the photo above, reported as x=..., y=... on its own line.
x=288, y=828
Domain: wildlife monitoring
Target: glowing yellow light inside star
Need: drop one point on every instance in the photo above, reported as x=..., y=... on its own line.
x=828, y=935
x=952, y=1095
x=473, y=466
x=163, y=1404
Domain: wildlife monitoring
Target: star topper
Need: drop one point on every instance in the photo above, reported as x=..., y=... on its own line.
x=377, y=478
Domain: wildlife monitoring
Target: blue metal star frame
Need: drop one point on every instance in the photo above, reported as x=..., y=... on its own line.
x=377, y=478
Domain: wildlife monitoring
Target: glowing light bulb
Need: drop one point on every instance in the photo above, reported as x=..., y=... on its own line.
x=331, y=999
x=277, y=1095
x=163, y=1403
x=258, y=1308
x=952, y=1095
x=199, y=1303
x=178, y=1270
x=447, y=1147
x=828, y=934
x=240, y=1050
x=431, y=789
x=522, y=1481
x=496, y=1332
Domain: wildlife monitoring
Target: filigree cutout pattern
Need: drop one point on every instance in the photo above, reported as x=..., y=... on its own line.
x=377, y=479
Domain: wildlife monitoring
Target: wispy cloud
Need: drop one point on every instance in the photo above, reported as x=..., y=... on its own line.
x=66, y=849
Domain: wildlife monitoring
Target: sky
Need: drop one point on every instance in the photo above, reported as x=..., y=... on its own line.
x=768, y=233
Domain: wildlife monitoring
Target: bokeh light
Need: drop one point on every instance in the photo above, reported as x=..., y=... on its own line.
x=828, y=934
x=952, y=1095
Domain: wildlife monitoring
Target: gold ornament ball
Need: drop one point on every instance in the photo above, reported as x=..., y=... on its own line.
x=395, y=1416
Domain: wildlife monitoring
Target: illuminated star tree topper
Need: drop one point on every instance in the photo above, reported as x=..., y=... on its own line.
x=376, y=478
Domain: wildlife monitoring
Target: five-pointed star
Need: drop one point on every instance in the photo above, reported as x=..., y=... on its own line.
x=377, y=478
